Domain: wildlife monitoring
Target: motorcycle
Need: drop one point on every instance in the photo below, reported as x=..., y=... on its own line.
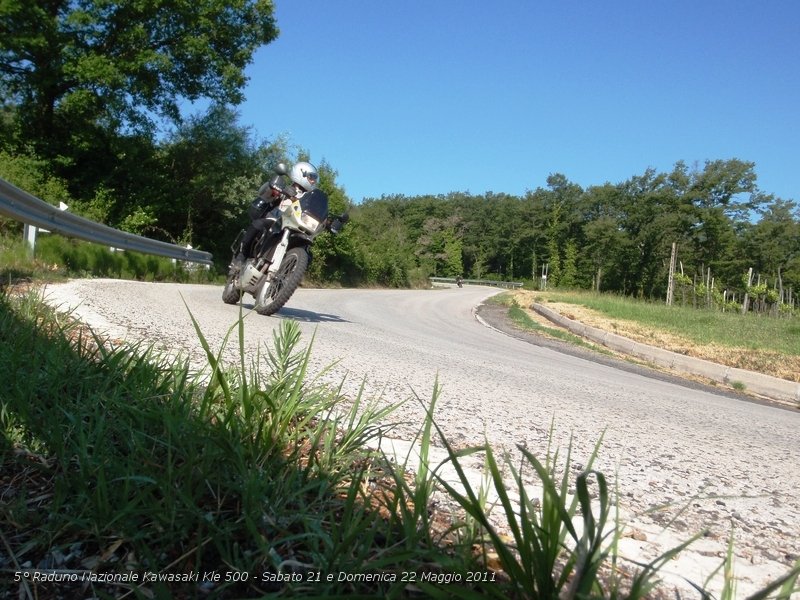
x=281, y=251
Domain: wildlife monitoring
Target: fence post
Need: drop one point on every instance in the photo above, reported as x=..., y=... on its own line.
x=29, y=232
x=746, y=301
x=671, y=280
x=29, y=237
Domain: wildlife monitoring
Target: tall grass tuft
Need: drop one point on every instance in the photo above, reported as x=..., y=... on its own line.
x=556, y=545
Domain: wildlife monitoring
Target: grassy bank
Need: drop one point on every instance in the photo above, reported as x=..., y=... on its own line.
x=252, y=479
x=754, y=342
x=57, y=257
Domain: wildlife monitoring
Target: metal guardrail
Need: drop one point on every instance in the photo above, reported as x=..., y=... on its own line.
x=22, y=206
x=452, y=280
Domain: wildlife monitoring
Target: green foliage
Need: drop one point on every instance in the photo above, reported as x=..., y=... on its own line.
x=57, y=257
x=98, y=208
x=554, y=264
x=32, y=175
x=569, y=276
x=334, y=255
x=87, y=86
x=139, y=221
x=453, y=250
x=384, y=251
x=202, y=196
x=612, y=237
x=94, y=62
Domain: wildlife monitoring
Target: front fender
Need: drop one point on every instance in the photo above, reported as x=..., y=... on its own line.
x=301, y=240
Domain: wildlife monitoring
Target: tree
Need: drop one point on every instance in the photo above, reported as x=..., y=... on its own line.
x=30, y=174
x=81, y=73
x=650, y=220
x=603, y=236
x=334, y=255
x=385, y=252
x=199, y=195
x=553, y=264
x=569, y=273
x=773, y=244
x=454, y=265
x=722, y=196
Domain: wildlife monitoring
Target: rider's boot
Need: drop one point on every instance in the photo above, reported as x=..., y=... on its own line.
x=238, y=261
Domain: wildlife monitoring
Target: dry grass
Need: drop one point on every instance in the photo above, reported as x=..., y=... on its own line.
x=760, y=360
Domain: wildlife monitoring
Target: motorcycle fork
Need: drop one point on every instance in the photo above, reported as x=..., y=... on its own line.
x=236, y=246
x=278, y=254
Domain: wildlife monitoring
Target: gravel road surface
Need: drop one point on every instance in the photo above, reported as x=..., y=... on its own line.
x=714, y=461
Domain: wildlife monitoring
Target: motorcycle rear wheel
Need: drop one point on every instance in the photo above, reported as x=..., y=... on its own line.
x=284, y=283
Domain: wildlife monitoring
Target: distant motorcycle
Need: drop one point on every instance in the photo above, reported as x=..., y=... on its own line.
x=282, y=251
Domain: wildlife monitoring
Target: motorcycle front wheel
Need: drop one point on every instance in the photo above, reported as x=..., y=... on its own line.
x=230, y=293
x=273, y=295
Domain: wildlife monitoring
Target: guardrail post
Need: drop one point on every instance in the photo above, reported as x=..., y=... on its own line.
x=29, y=237
x=29, y=232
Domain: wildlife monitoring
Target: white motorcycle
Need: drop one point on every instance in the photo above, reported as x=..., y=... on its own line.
x=281, y=252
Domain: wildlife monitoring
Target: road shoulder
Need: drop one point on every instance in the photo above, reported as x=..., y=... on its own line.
x=496, y=316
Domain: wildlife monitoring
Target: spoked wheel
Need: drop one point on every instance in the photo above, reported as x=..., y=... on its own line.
x=273, y=295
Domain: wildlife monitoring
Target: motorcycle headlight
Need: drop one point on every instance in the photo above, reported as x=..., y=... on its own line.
x=310, y=222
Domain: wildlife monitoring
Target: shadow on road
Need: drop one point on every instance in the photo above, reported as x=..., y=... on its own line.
x=306, y=316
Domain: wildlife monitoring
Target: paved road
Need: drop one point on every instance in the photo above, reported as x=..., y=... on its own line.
x=725, y=461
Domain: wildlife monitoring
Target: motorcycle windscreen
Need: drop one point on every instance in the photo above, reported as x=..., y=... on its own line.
x=316, y=203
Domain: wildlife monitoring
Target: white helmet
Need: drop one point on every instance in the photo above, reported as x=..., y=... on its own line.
x=305, y=175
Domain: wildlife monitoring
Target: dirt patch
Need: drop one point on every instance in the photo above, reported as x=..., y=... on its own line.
x=761, y=361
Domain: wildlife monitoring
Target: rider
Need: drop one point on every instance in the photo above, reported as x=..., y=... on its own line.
x=304, y=177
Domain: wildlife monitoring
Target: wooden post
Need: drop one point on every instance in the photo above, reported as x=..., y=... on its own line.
x=746, y=301
x=671, y=280
x=710, y=292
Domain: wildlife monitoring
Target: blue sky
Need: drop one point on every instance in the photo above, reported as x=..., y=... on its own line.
x=428, y=97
